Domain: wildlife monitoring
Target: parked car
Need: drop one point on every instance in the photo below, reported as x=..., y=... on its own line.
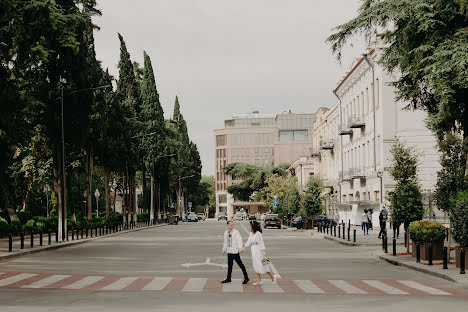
x=192, y=217
x=297, y=223
x=222, y=216
x=201, y=216
x=272, y=220
x=184, y=218
x=238, y=217
x=252, y=217
x=323, y=220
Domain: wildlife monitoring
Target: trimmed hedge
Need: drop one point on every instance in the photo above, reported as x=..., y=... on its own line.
x=426, y=231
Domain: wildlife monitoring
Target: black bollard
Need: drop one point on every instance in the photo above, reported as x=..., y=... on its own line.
x=430, y=254
x=405, y=239
x=339, y=231
x=32, y=239
x=86, y=232
x=344, y=231
x=447, y=234
x=81, y=233
x=100, y=231
x=385, y=243
x=394, y=246
x=40, y=237
x=56, y=236
x=22, y=240
x=349, y=232
x=67, y=234
x=445, y=264
x=73, y=233
x=383, y=248
x=354, y=235
x=462, y=260
x=49, y=241
x=10, y=242
x=418, y=253
x=334, y=230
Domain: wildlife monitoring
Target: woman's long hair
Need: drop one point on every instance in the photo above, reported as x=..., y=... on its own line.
x=256, y=227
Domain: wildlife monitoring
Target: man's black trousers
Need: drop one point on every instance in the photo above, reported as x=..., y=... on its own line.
x=236, y=257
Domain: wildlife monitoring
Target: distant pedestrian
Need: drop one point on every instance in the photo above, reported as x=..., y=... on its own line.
x=369, y=220
x=232, y=245
x=396, y=229
x=382, y=223
x=260, y=261
x=364, y=222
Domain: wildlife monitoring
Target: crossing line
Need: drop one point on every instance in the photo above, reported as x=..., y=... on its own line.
x=269, y=287
x=308, y=287
x=158, y=283
x=87, y=281
x=384, y=287
x=234, y=286
x=16, y=278
x=347, y=287
x=46, y=281
x=195, y=284
x=424, y=288
x=120, y=283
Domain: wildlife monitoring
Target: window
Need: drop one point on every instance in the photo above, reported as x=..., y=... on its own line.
x=222, y=198
x=221, y=140
x=263, y=139
x=293, y=135
x=376, y=196
x=240, y=139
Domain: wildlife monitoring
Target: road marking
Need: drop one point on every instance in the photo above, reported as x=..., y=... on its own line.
x=347, y=287
x=14, y=279
x=46, y=281
x=158, y=283
x=234, y=286
x=272, y=267
x=427, y=289
x=85, y=282
x=269, y=287
x=195, y=284
x=384, y=287
x=120, y=283
x=207, y=262
x=309, y=287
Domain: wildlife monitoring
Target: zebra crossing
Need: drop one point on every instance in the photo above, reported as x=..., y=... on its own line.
x=211, y=285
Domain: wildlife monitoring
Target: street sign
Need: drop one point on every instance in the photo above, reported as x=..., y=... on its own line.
x=275, y=203
x=190, y=204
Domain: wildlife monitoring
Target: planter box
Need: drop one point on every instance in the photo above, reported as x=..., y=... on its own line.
x=437, y=250
x=457, y=256
x=308, y=225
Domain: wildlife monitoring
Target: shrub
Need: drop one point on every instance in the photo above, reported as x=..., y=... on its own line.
x=24, y=216
x=459, y=219
x=43, y=224
x=30, y=226
x=4, y=228
x=142, y=217
x=15, y=227
x=426, y=231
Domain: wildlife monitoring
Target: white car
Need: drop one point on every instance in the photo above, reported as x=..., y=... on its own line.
x=201, y=216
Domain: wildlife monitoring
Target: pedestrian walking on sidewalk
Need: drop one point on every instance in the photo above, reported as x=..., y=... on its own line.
x=369, y=220
x=382, y=222
x=260, y=261
x=364, y=222
x=396, y=229
x=232, y=246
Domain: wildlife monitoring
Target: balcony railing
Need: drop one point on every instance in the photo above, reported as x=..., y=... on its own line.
x=327, y=144
x=356, y=121
x=357, y=173
x=314, y=152
x=344, y=130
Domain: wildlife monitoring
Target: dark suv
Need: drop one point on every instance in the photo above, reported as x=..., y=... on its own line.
x=222, y=216
x=272, y=220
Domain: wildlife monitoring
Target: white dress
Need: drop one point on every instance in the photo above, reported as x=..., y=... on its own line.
x=257, y=248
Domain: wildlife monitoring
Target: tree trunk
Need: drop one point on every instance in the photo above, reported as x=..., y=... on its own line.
x=152, y=197
x=164, y=208
x=6, y=194
x=106, y=189
x=58, y=187
x=89, y=178
x=159, y=200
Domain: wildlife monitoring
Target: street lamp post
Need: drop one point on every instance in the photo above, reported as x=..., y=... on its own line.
x=97, y=194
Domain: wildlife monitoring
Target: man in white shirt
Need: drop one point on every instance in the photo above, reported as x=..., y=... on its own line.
x=232, y=245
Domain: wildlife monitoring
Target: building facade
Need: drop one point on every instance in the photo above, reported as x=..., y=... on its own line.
x=262, y=140
x=370, y=121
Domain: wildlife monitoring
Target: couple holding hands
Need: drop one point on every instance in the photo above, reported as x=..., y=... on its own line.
x=233, y=246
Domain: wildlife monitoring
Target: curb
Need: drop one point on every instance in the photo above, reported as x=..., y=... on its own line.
x=72, y=243
x=346, y=243
x=416, y=268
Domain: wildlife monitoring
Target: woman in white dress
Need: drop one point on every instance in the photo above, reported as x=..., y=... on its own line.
x=257, y=247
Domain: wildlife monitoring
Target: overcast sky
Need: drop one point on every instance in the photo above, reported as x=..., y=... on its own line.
x=225, y=57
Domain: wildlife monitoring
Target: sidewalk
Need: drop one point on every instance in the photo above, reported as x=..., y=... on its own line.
x=17, y=252
x=361, y=239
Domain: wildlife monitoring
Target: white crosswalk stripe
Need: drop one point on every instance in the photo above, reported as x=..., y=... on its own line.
x=13, y=279
x=195, y=284
x=427, y=289
x=120, y=283
x=46, y=281
x=85, y=282
x=269, y=287
x=308, y=287
x=347, y=287
x=234, y=286
x=158, y=283
x=384, y=287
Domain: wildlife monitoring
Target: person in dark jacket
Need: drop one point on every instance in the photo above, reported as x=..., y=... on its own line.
x=383, y=222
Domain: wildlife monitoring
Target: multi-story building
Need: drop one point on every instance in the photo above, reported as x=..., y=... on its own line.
x=258, y=139
x=370, y=122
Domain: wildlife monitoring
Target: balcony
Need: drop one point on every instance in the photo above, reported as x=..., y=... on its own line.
x=343, y=130
x=315, y=152
x=327, y=145
x=356, y=121
x=357, y=173
x=344, y=175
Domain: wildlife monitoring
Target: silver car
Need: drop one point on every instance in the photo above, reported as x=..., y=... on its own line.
x=192, y=217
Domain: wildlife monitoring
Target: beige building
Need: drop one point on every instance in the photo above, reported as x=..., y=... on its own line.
x=262, y=140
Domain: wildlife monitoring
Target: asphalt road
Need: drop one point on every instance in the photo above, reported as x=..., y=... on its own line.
x=185, y=262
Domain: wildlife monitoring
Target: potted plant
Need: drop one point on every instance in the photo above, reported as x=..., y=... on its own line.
x=425, y=232
x=459, y=220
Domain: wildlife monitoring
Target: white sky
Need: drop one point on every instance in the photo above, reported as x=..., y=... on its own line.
x=226, y=57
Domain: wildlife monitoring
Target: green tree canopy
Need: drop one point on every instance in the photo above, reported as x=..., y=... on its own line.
x=312, y=203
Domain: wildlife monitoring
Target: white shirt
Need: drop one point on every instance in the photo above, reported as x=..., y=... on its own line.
x=235, y=241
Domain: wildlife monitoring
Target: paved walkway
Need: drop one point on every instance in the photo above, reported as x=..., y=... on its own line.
x=402, y=287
